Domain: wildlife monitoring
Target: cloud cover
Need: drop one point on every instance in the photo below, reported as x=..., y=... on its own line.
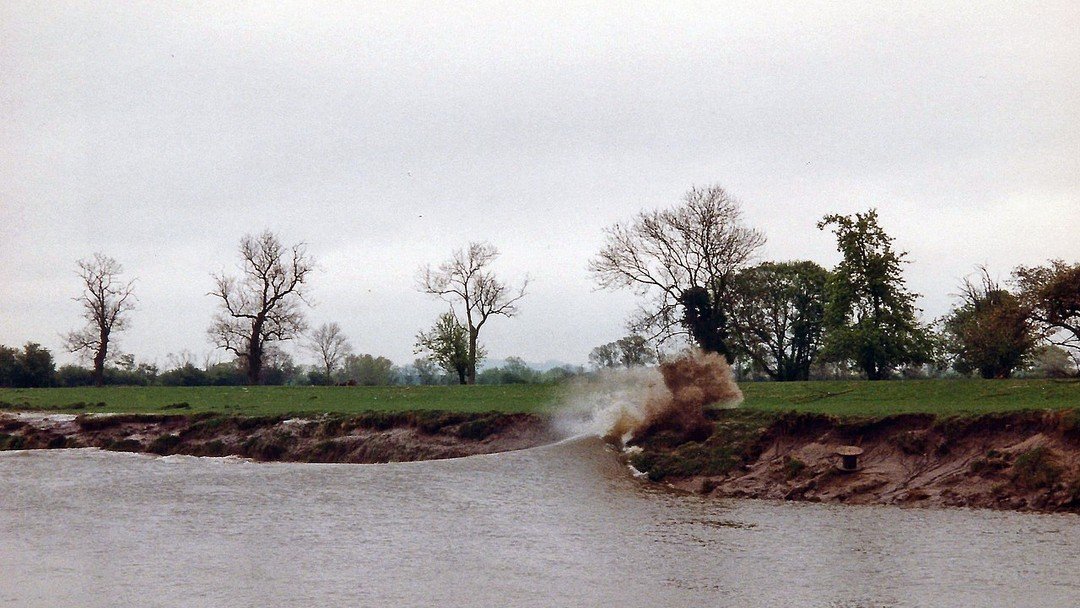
x=387, y=134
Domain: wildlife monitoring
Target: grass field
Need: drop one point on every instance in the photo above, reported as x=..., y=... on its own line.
x=895, y=397
x=840, y=398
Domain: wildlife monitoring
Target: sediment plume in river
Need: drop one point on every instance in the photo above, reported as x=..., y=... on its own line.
x=622, y=405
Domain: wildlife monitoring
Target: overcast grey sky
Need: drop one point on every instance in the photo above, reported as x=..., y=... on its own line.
x=388, y=134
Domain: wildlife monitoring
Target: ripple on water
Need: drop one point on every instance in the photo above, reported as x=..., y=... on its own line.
x=561, y=525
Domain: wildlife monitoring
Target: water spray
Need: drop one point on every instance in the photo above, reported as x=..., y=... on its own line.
x=627, y=405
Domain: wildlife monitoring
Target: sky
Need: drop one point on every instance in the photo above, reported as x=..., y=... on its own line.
x=386, y=135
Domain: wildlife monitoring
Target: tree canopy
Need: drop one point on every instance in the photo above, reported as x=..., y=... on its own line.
x=629, y=351
x=778, y=314
x=1052, y=295
x=263, y=304
x=990, y=331
x=106, y=299
x=447, y=345
x=680, y=259
x=467, y=281
x=870, y=316
x=329, y=344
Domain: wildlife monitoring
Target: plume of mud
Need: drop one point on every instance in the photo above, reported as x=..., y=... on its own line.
x=630, y=404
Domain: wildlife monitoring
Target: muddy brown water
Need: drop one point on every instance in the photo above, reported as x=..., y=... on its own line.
x=561, y=525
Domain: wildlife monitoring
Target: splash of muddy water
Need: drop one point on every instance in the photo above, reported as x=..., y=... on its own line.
x=622, y=405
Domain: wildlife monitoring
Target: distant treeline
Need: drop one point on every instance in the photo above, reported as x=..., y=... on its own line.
x=33, y=366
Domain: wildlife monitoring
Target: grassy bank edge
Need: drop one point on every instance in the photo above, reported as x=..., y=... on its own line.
x=841, y=398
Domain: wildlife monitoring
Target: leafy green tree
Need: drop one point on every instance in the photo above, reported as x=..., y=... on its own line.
x=184, y=374
x=447, y=345
x=870, y=316
x=70, y=376
x=605, y=356
x=228, y=374
x=8, y=363
x=1050, y=361
x=513, y=371
x=1052, y=295
x=990, y=331
x=428, y=372
x=34, y=367
x=705, y=317
x=368, y=370
x=682, y=259
x=778, y=316
x=629, y=351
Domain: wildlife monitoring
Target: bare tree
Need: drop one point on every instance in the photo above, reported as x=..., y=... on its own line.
x=263, y=304
x=466, y=280
x=330, y=345
x=105, y=300
x=682, y=259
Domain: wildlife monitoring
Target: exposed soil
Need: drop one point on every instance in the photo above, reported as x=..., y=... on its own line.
x=367, y=438
x=1022, y=460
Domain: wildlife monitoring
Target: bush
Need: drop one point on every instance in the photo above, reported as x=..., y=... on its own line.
x=988, y=465
x=1035, y=469
x=11, y=442
x=481, y=428
x=793, y=467
x=70, y=376
x=164, y=444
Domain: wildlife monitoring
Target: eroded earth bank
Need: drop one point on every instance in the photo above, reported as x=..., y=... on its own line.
x=367, y=438
x=1020, y=460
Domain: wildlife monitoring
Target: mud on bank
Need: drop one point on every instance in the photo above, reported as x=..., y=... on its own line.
x=1027, y=460
x=366, y=438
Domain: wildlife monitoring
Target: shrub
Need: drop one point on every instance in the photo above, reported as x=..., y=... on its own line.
x=988, y=465
x=912, y=443
x=183, y=405
x=164, y=444
x=1036, y=469
x=11, y=442
x=481, y=428
x=793, y=467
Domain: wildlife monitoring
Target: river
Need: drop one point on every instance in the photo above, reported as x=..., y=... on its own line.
x=561, y=525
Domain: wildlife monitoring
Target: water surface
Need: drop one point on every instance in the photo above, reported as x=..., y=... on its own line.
x=561, y=525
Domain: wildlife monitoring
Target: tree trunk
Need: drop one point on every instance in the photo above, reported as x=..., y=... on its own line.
x=471, y=379
x=254, y=353
x=99, y=359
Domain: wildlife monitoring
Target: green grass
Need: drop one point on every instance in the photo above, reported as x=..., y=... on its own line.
x=277, y=400
x=839, y=398
x=910, y=396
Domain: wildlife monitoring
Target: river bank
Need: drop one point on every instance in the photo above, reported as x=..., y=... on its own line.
x=1027, y=460
x=372, y=437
